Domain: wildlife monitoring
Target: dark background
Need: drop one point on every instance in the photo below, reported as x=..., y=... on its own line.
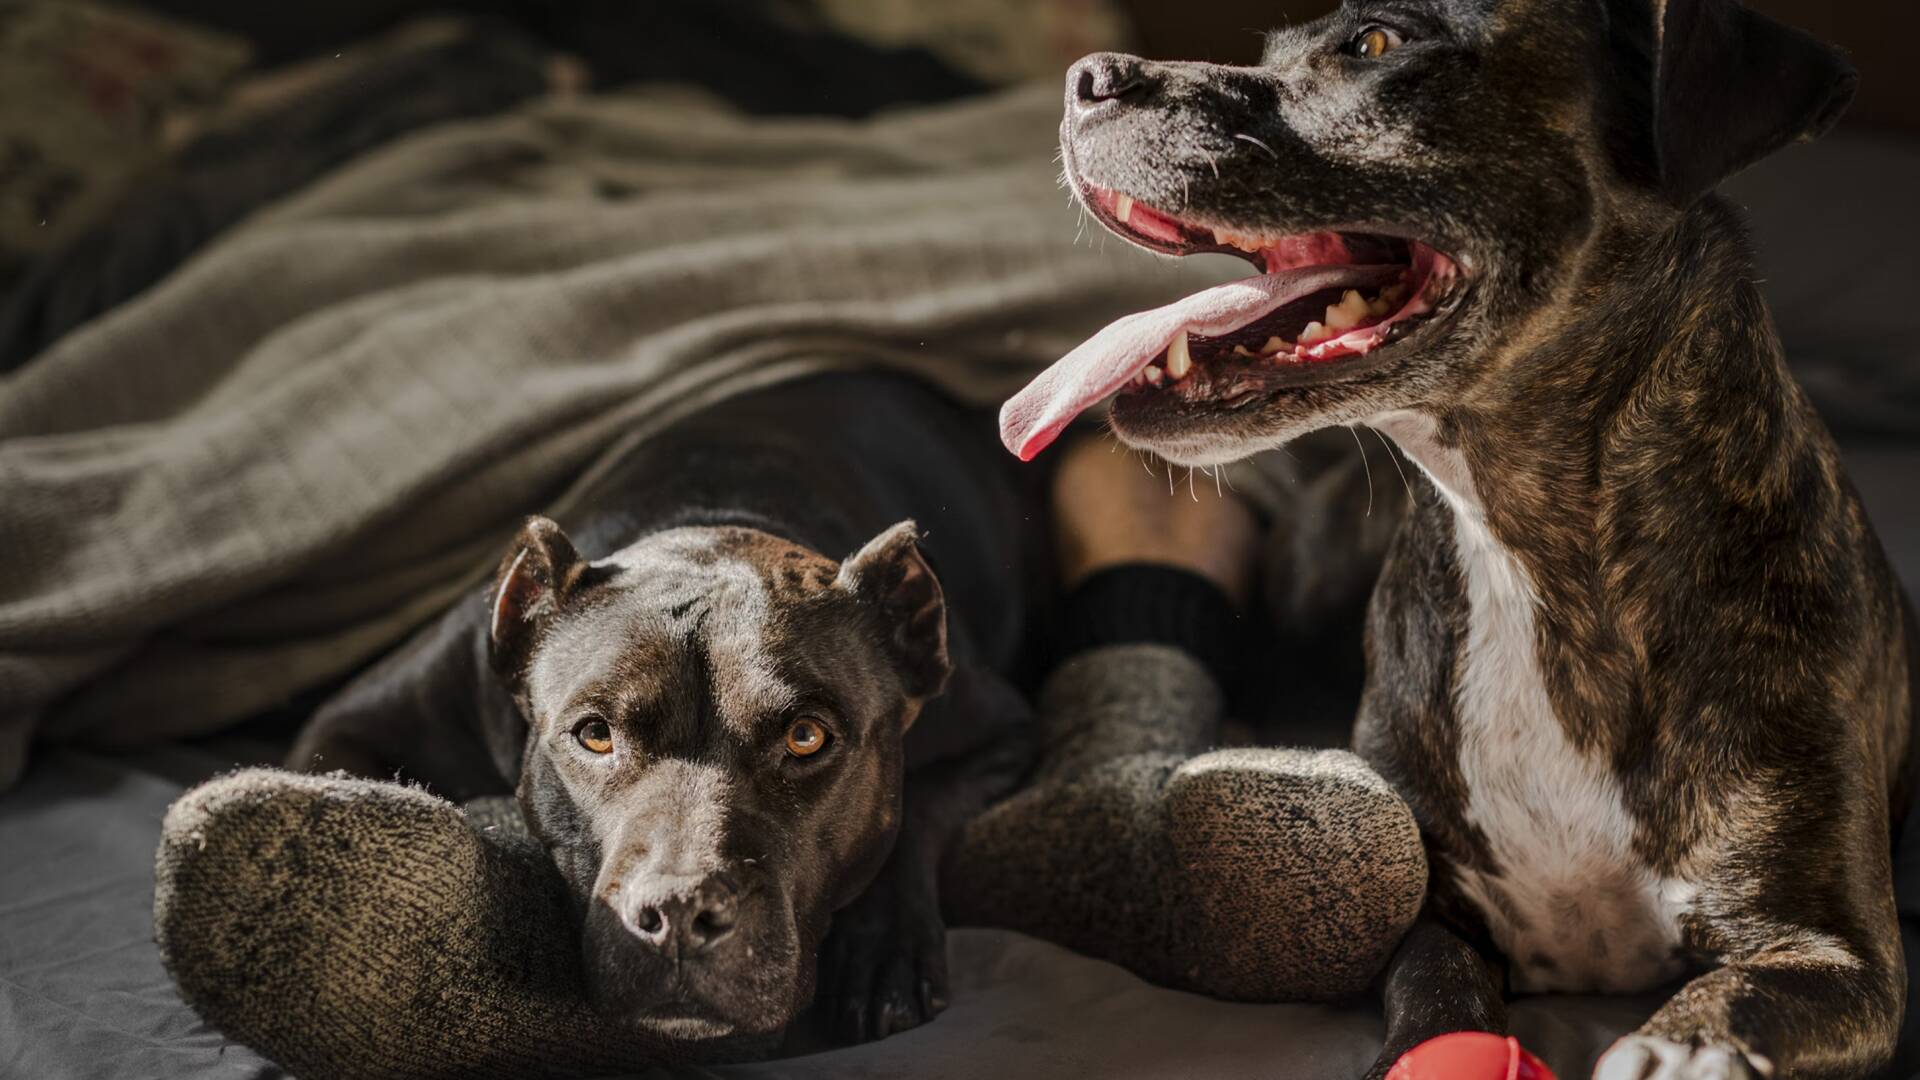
x=1879, y=35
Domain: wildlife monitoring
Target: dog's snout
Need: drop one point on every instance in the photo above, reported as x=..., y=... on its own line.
x=684, y=916
x=1106, y=81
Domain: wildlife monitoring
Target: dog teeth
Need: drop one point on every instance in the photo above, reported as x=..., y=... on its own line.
x=1153, y=374
x=1242, y=241
x=1314, y=334
x=1242, y=350
x=1276, y=345
x=1350, y=312
x=1179, y=359
x=1123, y=208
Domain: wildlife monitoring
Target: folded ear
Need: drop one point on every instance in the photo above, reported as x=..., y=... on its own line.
x=891, y=577
x=535, y=577
x=1732, y=86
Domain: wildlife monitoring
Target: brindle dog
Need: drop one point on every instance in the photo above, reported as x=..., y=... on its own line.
x=1636, y=659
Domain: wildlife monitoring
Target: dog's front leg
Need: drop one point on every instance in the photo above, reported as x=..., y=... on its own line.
x=1436, y=983
x=1807, y=1008
x=884, y=966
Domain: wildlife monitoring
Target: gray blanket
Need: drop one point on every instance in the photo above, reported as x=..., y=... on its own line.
x=273, y=465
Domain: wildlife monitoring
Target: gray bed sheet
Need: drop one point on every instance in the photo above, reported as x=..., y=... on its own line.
x=82, y=993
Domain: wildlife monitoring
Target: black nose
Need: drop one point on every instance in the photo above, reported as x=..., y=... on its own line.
x=689, y=916
x=1107, y=81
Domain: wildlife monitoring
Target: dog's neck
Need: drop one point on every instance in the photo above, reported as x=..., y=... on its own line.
x=1645, y=431
x=1661, y=358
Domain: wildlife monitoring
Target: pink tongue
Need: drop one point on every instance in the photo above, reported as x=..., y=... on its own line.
x=1105, y=362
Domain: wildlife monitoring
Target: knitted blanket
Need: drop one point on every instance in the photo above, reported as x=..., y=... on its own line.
x=305, y=442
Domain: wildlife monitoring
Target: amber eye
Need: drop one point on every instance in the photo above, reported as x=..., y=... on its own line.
x=806, y=737
x=595, y=735
x=1375, y=41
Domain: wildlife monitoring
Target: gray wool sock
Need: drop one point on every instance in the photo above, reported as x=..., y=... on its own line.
x=354, y=928
x=1250, y=874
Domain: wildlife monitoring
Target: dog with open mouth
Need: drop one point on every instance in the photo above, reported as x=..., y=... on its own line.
x=1636, y=658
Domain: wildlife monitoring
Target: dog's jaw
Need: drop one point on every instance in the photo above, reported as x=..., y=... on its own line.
x=1339, y=324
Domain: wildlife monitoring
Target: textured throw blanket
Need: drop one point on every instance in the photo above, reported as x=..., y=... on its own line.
x=272, y=465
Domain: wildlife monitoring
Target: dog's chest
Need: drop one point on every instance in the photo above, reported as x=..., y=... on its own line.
x=1566, y=898
x=1572, y=905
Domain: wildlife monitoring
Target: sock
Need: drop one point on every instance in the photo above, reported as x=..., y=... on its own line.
x=356, y=928
x=1151, y=603
x=1250, y=874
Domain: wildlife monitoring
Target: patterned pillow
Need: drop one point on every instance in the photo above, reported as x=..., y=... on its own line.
x=84, y=94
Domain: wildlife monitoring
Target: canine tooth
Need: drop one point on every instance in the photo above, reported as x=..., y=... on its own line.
x=1153, y=374
x=1276, y=345
x=1179, y=360
x=1314, y=333
x=1123, y=208
x=1350, y=312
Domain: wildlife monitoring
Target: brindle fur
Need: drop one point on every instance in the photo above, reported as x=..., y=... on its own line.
x=1714, y=623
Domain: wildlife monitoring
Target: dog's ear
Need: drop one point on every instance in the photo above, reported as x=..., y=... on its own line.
x=891, y=577
x=1731, y=86
x=535, y=577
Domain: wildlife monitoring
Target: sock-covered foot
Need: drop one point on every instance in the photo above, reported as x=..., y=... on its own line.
x=353, y=928
x=1267, y=875
x=1301, y=871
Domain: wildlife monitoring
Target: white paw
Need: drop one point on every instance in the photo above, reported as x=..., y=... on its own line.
x=1643, y=1057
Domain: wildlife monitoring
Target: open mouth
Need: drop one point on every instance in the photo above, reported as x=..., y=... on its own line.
x=1321, y=301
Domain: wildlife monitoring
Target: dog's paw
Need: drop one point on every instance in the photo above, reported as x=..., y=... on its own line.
x=884, y=966
x=1644, y=1057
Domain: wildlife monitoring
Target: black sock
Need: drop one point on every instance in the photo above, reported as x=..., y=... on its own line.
x=1152, y=603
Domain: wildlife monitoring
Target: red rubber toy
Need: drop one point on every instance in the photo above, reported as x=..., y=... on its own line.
x=1469, y=1055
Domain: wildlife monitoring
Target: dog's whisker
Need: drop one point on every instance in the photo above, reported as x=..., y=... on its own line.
x=1365, y=464
x=1250, y=139
x=1395, y=458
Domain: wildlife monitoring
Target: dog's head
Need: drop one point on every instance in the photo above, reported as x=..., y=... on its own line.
x=712, y=751
x=1418, y=183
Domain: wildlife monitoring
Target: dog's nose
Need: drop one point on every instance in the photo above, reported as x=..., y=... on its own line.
x=1107, y=81
x=693, y=917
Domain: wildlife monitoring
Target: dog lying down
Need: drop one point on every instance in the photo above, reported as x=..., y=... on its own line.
x=1636, y=658
x=707, y=719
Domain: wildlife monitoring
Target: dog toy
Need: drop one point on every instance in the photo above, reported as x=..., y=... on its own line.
x=1469, y=1055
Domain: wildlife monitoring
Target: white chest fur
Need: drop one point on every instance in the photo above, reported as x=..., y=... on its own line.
x=1572, y=905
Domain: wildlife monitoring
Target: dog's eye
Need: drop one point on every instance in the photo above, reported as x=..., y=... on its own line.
x=806, y=737
x=1375, y=41
x=594, y=734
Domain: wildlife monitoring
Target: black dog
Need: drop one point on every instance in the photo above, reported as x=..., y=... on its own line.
x=1636, y=660
x=706, y=720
